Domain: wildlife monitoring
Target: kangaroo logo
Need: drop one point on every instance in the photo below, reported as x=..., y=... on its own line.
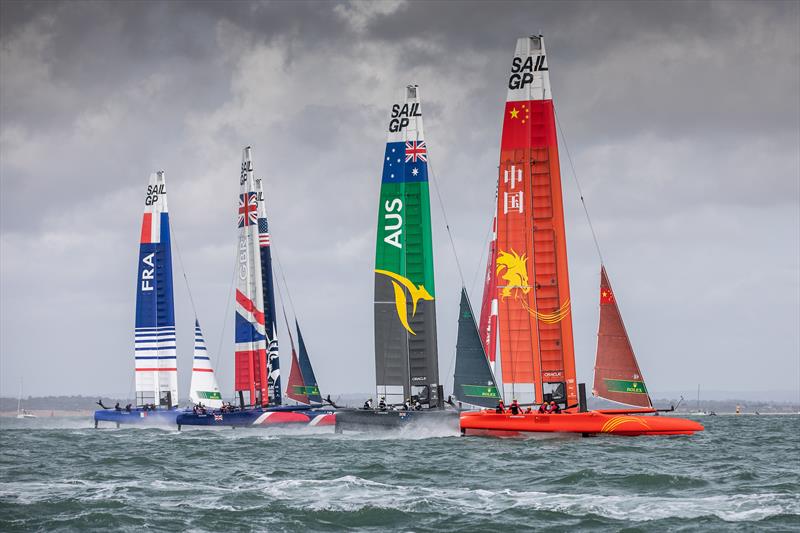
x=516, y=272
x=401, y=303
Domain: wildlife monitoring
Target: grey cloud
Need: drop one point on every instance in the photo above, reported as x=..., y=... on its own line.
x=682, y=119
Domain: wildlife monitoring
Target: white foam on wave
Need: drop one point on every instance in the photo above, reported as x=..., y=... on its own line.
x=350, y=493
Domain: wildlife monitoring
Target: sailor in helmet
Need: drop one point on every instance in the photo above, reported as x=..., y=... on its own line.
x=382, y=404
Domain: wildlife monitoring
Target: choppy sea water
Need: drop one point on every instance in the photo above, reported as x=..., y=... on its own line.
x=742, y=473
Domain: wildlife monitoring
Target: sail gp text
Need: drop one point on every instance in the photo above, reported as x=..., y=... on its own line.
x=152, y=193
x=401, y=116
x=522, y=72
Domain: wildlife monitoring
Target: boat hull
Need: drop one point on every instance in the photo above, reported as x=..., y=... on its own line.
x=137, y=417
x=589, y=423
x=259, y=418
x=374, y=420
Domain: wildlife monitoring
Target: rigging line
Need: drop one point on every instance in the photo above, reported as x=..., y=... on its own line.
x=446, y=223
x=225, y=316
x=578, y=185
x=484, y=254
x=174, y=236
x=285, y=284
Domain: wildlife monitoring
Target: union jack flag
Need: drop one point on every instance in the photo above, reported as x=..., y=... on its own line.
x=416, y=150
x=248, y=209
x=218, y=418
x=263, y=233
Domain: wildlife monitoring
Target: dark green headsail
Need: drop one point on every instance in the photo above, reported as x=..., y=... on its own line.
x=474, y=381
x=406, y=360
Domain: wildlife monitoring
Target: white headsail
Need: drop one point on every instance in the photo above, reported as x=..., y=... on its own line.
x=204, y=388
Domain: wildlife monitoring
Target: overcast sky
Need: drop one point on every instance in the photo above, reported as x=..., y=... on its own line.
x=683, y=121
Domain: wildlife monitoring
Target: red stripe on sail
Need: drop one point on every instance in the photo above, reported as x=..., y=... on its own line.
x=147, y=227
x=202, y=370
x=247, y=303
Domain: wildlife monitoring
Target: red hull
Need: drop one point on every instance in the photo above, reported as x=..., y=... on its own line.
x=593, y=422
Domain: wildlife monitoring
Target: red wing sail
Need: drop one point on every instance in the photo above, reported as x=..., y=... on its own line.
x=616, y=373
x=488, y=322
x=535, y=321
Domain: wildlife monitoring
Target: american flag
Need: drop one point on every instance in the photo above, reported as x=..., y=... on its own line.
x=263, y=233
x=415, y=150
x=248, y=209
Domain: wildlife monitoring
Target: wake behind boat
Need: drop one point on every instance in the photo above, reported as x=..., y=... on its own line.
x=528, y=286
x=406, y=358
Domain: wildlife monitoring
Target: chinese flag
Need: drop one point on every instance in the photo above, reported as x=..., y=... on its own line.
x=528, y=123
x=606, y=296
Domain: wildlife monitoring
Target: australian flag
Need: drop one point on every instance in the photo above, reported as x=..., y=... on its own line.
x=405, y=162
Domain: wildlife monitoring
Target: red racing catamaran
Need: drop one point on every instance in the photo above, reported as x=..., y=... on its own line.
x=527, y=287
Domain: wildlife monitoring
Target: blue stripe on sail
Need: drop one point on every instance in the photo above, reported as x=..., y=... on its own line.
x=202, y=357
x=245, y=332
x=155, y=307
x=156, y=357
x=155, y=349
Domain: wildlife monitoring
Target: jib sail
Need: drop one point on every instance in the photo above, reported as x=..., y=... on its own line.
x=474, y=381
x=616, y=372
x=204, y=388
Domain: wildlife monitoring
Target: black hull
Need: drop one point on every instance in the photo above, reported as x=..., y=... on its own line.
x=372, y=420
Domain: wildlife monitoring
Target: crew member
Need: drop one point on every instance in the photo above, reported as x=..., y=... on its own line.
x=555, y=409
x=543, y=409
x=515, y=410
x=368, y=404
x=382, y=404
x=117, y=407
x=501, y=408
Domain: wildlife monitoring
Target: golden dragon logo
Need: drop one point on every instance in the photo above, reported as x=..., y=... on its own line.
x=401, y=303
x=516, y=277
x=516, y=274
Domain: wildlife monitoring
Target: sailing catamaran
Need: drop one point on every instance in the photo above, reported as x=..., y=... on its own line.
x=22, y=413
x=406, y=359
x=155, y=355
x=529, y=280
x=257, y=376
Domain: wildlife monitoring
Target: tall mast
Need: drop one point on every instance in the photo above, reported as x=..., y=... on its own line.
x=536, y=344
x=250, y=333
x=406, y=359
x=154, y=335
x=268, y=288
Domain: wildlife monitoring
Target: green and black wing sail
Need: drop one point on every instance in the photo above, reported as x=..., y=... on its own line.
x=474, y=381
x=406, y=359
